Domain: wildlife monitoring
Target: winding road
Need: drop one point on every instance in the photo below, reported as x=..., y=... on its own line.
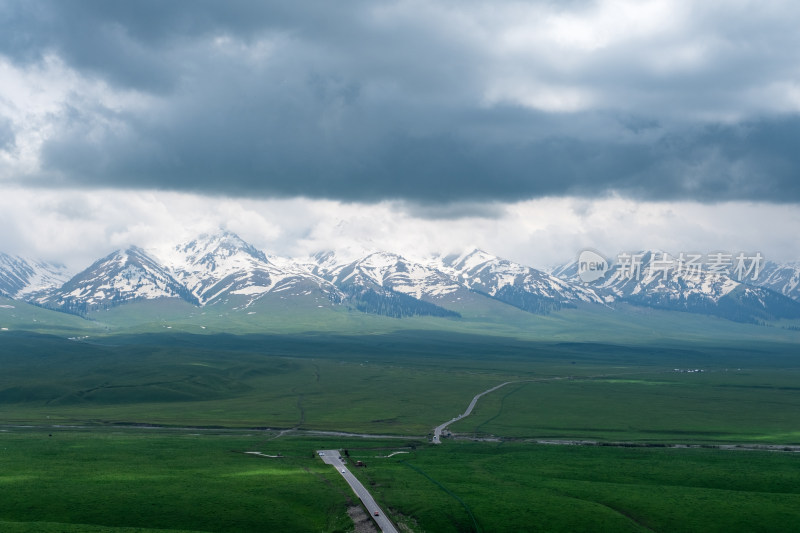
x=437, y=431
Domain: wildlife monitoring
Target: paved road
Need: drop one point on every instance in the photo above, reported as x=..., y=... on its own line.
x=437, y=431
x=332, y=457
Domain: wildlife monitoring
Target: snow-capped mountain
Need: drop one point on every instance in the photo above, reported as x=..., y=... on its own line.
x=388, y=271
x=223, y=269
x=121, y=276
x=218, y=266
x=476, y=273
x=386, y=283
x=568, y=271
x=783, y=278
x=688, y=282
x=20, y=278
x=655, y=274
x=515, y=284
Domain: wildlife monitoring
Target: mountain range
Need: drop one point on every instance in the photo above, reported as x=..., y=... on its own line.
x=221, y=269
x=656, y=279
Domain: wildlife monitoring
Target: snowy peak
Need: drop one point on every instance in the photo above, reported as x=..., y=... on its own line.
x=387, y=271
x=654, y=272
x=219, y=266
x=501, y=278
x=117, y=278
x=20, y=278
x=475, y=271
x=782, y=278
x=568, y=271
x=470, y=261
x=209, y=250
x=212, y=265
x=687, y=282
x=223, y=268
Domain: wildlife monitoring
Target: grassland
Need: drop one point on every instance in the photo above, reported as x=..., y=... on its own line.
x=717, y=405
x=20, y=316
x=469, y=486
x=622, y=325
x=205, y=395
x=178, y=480
x=51, y=480
x=404, y=384
x=327, y=384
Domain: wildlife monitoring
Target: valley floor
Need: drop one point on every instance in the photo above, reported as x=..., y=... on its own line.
x=172, y=433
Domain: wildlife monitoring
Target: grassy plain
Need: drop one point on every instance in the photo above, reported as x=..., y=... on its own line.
x=717, y=405
x=177, y=480
x=406, y=383
x=174, y=480
x=207, y=393
x=478, y=486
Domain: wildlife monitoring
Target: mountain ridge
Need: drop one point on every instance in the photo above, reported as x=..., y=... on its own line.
x=21, y=277
x=223, y=269
x=657, y=279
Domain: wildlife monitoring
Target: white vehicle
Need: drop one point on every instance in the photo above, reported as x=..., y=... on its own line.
x=343, y=471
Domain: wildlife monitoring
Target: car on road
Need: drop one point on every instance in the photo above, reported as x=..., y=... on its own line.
x=343, y=471
x=377, y=513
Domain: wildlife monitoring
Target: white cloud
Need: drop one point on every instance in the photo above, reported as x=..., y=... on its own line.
x=41, y=100
x=78, y=227
x=601, y=25
x=543, y=97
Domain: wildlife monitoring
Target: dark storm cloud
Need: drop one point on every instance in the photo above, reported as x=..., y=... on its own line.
x=286, y=157
x=127, y=43
x=345, y=101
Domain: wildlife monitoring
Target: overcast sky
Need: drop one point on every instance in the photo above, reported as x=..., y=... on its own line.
x=529, y=129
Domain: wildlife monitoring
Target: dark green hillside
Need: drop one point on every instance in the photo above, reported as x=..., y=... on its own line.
x=16, y=315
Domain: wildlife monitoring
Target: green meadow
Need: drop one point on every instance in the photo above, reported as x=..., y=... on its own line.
x=478, y=486
x=68, y=480
x=622, y=325
x=147, y=431
x=122, y=480
x=716, y=405
x=404, y=384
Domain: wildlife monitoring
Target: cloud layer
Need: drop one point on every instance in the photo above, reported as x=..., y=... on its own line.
x=77, y=227
x=424, y=102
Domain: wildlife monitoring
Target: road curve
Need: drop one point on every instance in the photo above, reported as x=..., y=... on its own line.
x=332, y=458
x=437, y=431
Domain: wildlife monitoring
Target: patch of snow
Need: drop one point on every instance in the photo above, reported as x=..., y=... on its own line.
x=252, y=289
